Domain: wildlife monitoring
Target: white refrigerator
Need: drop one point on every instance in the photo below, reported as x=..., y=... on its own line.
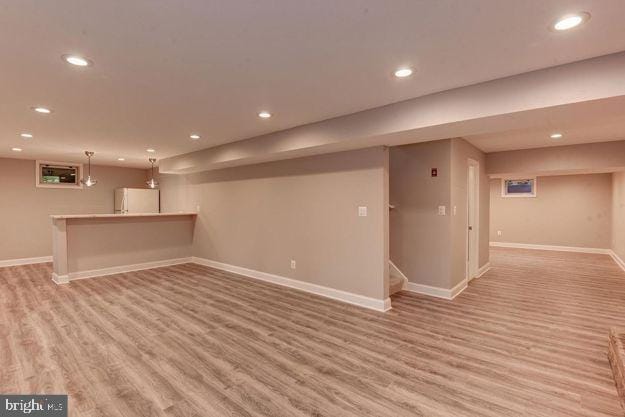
x=136, y=200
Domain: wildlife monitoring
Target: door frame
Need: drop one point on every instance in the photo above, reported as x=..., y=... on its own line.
x=473, y=248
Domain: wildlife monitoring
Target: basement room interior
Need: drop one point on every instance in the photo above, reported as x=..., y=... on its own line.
x=279, y=208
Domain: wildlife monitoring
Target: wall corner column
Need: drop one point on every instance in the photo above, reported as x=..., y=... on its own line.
x=60, y=272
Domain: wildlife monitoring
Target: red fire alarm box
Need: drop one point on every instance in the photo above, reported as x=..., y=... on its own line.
x=434, y=172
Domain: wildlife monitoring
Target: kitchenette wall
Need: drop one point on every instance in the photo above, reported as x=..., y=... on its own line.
x=25, y=209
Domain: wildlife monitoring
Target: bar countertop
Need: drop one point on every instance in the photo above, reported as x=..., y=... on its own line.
x=117, y=216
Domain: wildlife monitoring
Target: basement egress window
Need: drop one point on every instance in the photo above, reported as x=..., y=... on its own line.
x=58, y=175
x=525, y=187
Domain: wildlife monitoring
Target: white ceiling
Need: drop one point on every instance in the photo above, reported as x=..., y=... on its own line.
x=165, y=69
x=585, y=122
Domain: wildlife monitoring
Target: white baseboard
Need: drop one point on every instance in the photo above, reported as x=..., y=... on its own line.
x=483, y=269
x=397, y=272
x=461, y=286
x=367, y=302
x=447, y=294
x=344, y=296
x=119, y=269
x=60, y=279
x=550, y=247
x=617, y=259
x=25, y=261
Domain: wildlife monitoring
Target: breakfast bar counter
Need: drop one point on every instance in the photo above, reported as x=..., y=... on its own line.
x=91, y=245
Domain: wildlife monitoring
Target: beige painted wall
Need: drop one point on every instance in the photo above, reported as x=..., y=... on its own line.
x=431, y=249
x=568, y=210
x=421, y=239
x=262, y=216
x=461, y=151
x=24, y=209
x=618, y=214
x=109, y=242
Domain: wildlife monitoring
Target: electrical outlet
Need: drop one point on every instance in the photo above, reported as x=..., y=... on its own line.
x=498, y=232
x=197, y=208
x=293, y=264
x=362, y=211
x=442, y=210
x=455, y=210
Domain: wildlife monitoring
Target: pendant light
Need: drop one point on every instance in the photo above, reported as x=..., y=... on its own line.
x=89, y=181
x=152, y=183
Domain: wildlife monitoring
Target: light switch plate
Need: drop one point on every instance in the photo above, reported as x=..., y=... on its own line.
x=293, y=264
x=362, y=211
x=442, y=210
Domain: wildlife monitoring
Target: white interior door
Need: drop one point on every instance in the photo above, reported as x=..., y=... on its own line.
x=473, y=218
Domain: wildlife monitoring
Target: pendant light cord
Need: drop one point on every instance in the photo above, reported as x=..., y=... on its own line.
x=152, y=160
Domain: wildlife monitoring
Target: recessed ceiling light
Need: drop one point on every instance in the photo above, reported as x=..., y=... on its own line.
x=194, y=136
x=555, y=135
x=151, y=150
x=77, y=60
x=121, y=159
x=43, y=110
x=26, y=135
x=16, y=149
x=403, y=73
x=570, y=21
x=264, y=115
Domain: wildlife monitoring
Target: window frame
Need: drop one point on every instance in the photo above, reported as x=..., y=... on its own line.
x=504, y=193
x=38, y=180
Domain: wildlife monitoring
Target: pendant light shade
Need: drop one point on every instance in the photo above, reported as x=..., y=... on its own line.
x=152, y=183
x=88, y=181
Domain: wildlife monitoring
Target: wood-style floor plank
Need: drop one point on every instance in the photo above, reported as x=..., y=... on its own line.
x=529, y=338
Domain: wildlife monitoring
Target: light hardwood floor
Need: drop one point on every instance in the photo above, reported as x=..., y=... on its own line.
x=529, y=338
